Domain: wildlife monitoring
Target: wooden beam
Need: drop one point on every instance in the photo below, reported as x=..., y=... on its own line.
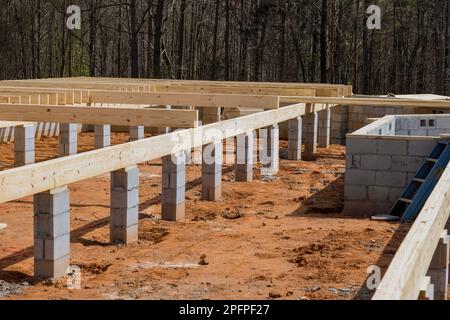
x=25, y=181
x=186, y=99
x=369, y=101
x=237, y=90
x=404, y=277
x=90, y=115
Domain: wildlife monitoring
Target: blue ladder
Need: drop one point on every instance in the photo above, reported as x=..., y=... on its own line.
x=413, y=198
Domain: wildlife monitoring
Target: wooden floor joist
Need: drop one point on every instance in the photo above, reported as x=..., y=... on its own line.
x=372, y=101
x=100, y=116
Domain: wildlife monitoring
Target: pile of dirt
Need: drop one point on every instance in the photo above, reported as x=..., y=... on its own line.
x=153, y=235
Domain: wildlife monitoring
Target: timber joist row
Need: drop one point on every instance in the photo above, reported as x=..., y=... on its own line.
x=185, y=113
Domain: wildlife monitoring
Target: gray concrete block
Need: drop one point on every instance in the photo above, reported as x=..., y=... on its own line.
x=376, y=162
x=127, y=236
x=122, y=198
x=245, y=157
x=102, y=136
x=409, y=164
x=361, y=146
x=124, y=217
x=379, y=193
x=391, y=179
x=173, y=212
x=360, y=177
x=354, y=193
x=421, y=147
x=51, y=269
x=124, y=205
x=137, y=133
x=295, y=139
x=392, y=147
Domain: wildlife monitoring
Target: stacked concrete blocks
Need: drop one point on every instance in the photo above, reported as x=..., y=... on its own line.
x=270, y=150
x=174, y=187
x=324, y=128
x=102, y=136
x=137, y=133
x=295, y=139
x=212, y=171
x=68, y=139
x=244, y=157
x=124, y=205
x=310, y=131
x=52, y=233
x=24, y=144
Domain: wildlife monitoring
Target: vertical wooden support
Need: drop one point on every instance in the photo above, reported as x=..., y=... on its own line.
x=210, y=115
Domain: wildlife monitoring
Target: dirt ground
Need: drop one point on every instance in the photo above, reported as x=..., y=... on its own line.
x=284, y=239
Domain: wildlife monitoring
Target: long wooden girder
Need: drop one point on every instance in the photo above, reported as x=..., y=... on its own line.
x=28, y=180
x=186, y=99
x=369, y=101
x=100, y=116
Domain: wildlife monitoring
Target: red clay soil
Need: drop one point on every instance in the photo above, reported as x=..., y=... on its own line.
x=284, y=239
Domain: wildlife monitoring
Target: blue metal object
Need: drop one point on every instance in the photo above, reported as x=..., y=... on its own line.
x=415, y=195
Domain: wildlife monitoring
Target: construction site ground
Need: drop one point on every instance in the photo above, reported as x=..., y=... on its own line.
x=282, y=239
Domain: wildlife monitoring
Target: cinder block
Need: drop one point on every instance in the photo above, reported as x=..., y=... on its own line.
x=137, y=133
x=52, y=233
x=51, y=269
x=355, y=193
x=124, y=217
x=270, y=149
x=127, y=236
x=375, y=162
x=295, y=139
x=173, y=212
x=102, y=136
x=244, y=157
x=360, y=177
x=421, y=147
x=124, y=205
x=324, y=129
x=123, y=199
x=409, y=164
x=391, y=179
x=392, y=147
x=361, y=146
x=443, y=123
x=174, y=188
x=395, y=193
x=379, y=193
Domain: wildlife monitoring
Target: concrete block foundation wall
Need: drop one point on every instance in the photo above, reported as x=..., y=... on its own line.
x=379, y=167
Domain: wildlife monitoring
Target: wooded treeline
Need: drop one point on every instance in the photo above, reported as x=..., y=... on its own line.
x=257, y=40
